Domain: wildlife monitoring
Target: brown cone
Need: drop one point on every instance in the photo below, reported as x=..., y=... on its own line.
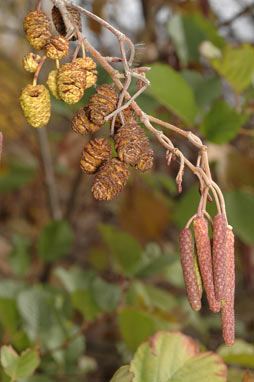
x=59, y=23
x=129, y=116
x=81, y=123
x=94, y=154
x=110, y=179
x=130, y=143
x=102, y=103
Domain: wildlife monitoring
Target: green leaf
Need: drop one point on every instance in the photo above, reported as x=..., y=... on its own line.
x=126, y=250
x=206, y=89
x=236, y=65
x=18, y=367
x=123, y=375
x=188, y=32
x=241, y=353
x=17, y=175
x=9, y=316
x=240, y=209
x=222, y=123
x=56, y=240
x=84, y=302
x=105, y=294
x=137, y=324
x=174, y=357
x=170, y=88
x=75, y=278
x=20, y=259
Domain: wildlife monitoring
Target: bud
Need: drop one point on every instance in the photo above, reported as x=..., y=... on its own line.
x=81, y=123
x=37, y=29
x=35, y=103
x=59, y=23
x=228, y=316
x=188, y=266
x=110, y=179
x=219, y=255
x=52, y=83
x=102, y=103
x=57, y=47
x=31, y=62
x=94, y=154
x=203, y=245
x=71, y=82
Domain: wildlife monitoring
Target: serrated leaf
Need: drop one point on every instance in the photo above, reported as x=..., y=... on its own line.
x=56, y=240
x=174, y=357
x=18, y=367
x=222, y=123
x=241, y=353
x=240, y=209
x=126, y=250
x=236, y=65
x=170, y=88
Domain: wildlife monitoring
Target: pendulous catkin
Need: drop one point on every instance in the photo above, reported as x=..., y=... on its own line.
x=203, y=246
x=228, y=316
x=219, y=255
x=189, y=271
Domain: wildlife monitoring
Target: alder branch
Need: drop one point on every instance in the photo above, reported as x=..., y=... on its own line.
x=202, y=169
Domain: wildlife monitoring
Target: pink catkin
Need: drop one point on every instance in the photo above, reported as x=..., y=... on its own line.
x=205, y=260
x=189, y=272
x=228, y=314
x=219, y=255
x=1, y=144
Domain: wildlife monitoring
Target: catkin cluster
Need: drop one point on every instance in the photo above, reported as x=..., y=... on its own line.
x=68, y=83
x=130, y=142
x=211, y=267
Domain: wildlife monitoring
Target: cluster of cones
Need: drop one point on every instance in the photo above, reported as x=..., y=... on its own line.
x=211, y=267
x=130, y=142
x=68, y=82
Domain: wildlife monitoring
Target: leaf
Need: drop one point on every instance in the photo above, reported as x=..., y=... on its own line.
x=126, y=250
x=206, y=89
x=240, y=209
x=241, y=353
x=236, y=65
x=122, y=375
x=188, y=32
x=222, y=123
x=170, y=88
x=137, y=324
x=16, y=176
x=19, y=258
x=18, y=367
x=56, y=240
x=174, y=357
x=9, y=316
x=75, y=278
x=154, y=266
x=105, y=294
x=84, y=302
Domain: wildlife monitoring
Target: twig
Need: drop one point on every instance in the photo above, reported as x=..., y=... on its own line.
x=49, y=174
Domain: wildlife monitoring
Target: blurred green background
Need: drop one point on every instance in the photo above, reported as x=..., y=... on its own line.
x=87, y=289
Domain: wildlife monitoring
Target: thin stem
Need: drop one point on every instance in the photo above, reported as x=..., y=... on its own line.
x=38, y=6
x=53, y=198
x=36, y=74
x=1, y=145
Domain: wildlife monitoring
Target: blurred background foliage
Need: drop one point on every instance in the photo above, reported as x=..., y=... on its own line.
x=83, y=292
